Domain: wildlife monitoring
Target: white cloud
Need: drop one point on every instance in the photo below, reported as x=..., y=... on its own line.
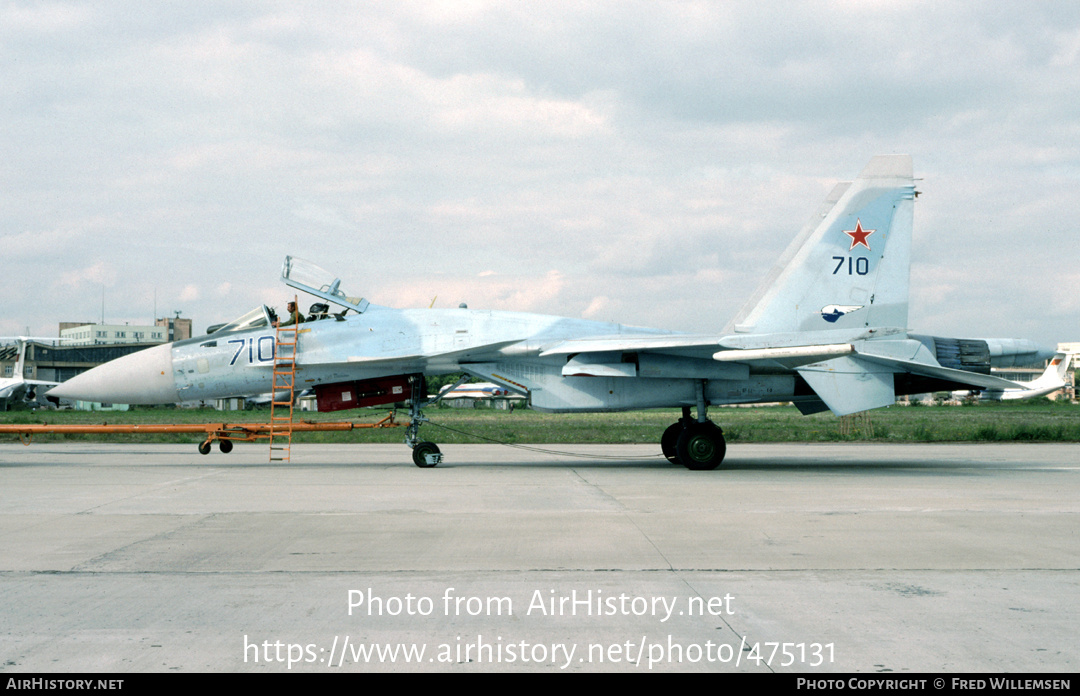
x=42, y=18
x=645, y=162
x=100, y=273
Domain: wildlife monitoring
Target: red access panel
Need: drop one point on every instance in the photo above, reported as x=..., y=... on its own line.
x=370, y=392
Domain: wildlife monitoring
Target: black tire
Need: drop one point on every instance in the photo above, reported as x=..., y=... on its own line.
x=204, y=447
x=701, y=446
x=669, y=442
x=225, y=446
x=420, y=452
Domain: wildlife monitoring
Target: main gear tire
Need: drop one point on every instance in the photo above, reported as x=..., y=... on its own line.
x=669, y=442
x=701, y=446
x=420, y=454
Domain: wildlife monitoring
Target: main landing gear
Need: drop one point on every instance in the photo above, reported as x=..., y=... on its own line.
x=698, y=444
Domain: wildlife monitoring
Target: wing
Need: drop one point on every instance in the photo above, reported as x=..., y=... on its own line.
x=848, y=371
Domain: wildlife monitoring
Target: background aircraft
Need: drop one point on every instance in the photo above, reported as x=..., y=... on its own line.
x=19, y=390
x=827, y=330
x=1050, y=381
x=475, y=390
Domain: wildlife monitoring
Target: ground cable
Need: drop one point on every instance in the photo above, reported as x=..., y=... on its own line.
x=541, y=449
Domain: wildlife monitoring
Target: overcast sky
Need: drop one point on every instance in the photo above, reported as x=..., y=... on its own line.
x=640, y=162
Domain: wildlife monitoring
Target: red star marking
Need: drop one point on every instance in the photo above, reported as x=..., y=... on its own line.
x=859, y=235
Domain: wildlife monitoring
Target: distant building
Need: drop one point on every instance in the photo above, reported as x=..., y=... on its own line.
x=1073, y=348
x=87, y=334
x=177, y=328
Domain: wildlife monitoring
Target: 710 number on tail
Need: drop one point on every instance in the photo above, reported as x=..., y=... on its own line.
x=855, y=265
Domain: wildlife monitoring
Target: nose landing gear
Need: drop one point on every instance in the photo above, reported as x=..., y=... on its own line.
x=424, y=454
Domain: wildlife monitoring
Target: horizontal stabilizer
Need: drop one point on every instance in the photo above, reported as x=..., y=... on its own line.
x=973, y=379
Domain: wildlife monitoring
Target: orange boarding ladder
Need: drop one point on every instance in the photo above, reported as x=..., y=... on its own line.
x=281, y=410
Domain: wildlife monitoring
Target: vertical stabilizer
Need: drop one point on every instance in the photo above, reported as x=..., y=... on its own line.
x=19, y=371
x=851, y=270
x=1053, y=378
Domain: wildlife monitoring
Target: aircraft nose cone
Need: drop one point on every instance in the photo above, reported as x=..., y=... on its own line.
x=145, y=377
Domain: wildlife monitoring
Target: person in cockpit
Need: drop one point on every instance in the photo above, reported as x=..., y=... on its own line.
x=319, y=310
x=295, y=317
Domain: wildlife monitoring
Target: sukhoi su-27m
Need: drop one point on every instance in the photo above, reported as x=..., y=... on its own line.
x=826, y=330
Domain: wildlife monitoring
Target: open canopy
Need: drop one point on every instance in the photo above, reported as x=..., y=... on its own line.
x=306, y=276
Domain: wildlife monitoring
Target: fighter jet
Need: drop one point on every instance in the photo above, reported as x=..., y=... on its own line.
x=827, y=330
x=19, y=390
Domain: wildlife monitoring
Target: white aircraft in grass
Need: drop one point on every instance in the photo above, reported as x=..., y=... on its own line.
x=827, y=330
x=19, y=390
x=476, y=390
x=1052, y=379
